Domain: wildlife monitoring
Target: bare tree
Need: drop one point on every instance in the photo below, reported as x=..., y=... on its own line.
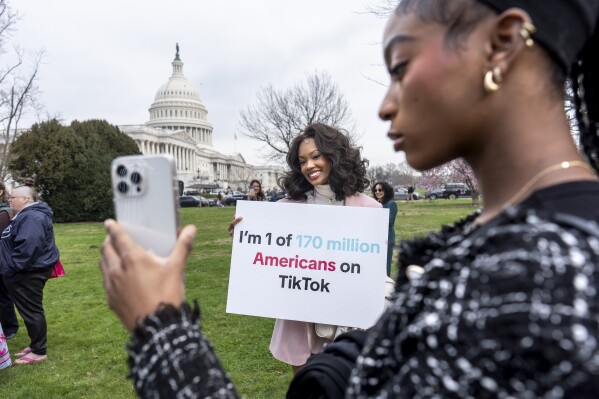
x=396, y=174
x=382, y=8
x=18, y=89
x=279, y=115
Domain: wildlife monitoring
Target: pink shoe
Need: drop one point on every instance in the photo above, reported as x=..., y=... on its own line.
x=24, y=352
x=30, y=360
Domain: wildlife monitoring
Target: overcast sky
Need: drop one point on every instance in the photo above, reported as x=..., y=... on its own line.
x=106, y=59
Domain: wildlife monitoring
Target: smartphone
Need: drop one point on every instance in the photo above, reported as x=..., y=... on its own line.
x=145, y=200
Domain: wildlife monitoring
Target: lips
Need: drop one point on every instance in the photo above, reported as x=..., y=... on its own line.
x=314, y=175
x=398, y=140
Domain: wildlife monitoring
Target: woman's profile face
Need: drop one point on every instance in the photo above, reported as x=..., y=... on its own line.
x=313, y=165
x=435, y=90
x=378, y=192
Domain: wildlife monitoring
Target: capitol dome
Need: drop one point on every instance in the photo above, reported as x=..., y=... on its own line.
x=178, y=127
x=177, y=107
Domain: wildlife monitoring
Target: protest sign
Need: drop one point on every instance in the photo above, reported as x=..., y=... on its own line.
x=314, y=263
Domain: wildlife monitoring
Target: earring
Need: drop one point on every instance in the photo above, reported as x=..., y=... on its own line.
x=492, y=80
x=526, y=30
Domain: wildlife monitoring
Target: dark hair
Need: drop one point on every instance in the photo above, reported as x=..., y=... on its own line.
x=461, y=16
x=387, y=191
x=4, y=195
x=348, y=169
x=585, y=83
x=260, y=195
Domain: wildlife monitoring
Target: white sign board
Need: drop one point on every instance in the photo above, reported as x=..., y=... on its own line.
x=314, y=263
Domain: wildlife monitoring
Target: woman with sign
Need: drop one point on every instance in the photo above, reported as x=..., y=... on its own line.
x=325, y=169
x=506, y=302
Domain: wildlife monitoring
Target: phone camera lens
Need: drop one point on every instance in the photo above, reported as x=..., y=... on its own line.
x=122, y=187
x=121, y=171
x=135, y=178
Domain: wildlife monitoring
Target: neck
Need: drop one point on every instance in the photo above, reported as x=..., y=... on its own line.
x=518, y=147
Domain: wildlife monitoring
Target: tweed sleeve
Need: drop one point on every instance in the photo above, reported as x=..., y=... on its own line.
x=169, y=357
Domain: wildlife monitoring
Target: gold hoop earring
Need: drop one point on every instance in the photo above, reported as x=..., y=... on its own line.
x=492, y=79
x=526, y=31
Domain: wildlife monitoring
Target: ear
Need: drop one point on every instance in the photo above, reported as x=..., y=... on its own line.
x=506, y=42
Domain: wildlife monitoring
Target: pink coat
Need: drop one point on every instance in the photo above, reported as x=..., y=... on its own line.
x=293, y=341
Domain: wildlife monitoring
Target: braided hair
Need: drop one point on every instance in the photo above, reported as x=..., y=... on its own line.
x=585, y=82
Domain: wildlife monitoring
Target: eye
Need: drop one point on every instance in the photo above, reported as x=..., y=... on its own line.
x=397, y=72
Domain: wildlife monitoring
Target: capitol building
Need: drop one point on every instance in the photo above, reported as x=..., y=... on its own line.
x=179, y=126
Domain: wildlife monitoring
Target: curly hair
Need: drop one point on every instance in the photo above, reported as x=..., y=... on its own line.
x=387, y=191
x=4, y=195
x=348, y=169
x=260, y=194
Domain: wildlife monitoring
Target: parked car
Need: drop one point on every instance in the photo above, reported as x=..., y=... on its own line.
x=455, y=190
x=231, y=200
x=205, y=201
x=434, y=193
x=188, y=201
x=401, y=194
x=449, y=191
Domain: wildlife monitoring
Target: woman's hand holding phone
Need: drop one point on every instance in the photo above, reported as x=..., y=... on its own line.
x=137, y=281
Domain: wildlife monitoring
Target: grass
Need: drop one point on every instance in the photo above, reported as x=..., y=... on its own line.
x=86, y=340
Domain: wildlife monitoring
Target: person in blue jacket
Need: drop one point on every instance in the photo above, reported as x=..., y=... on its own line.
x=27, y=255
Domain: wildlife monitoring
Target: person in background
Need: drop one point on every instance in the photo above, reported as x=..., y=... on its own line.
x=410, y=193
x=27, y=255
x=383, y=193
x=219, y=200
x=4, y=353
x=273, y=195
x=255, y=193
x=504, y=303
x=8, y=316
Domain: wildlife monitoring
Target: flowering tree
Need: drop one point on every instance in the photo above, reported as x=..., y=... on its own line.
x=456, y=171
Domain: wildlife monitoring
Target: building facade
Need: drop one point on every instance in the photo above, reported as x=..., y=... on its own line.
x=179, y=126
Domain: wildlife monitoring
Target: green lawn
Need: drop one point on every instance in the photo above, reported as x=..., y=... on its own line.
x=85, y=339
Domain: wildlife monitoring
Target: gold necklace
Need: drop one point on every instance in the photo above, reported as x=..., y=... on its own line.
x=529, y=184
x=315, y=193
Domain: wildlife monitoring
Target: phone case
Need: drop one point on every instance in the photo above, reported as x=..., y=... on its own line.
x=145, y=200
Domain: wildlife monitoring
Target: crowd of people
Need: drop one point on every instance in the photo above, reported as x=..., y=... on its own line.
x=28, y=254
